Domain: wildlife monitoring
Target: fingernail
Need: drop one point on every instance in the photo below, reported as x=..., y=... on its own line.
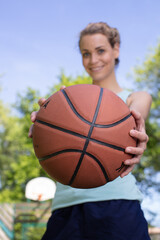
x=132, y=131
x=128, y=149
x=127, y=162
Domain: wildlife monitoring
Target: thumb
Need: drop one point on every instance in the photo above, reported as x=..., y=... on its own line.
x=41, y=101
x=62, y=87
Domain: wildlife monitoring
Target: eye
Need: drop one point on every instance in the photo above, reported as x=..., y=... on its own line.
x=86, y=54
x=101, y=51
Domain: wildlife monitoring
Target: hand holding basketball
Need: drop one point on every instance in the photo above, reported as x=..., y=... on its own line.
x=142, y=138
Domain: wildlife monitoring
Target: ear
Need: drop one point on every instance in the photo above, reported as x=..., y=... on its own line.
x=116, y=50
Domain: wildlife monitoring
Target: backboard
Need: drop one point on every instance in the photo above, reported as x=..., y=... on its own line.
x=40, y=189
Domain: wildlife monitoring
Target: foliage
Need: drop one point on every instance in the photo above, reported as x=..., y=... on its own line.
x=35, y=233
x=17, y=158
x=68, y=81
x=147, y=76
x=27, y=231
x=9, y=141
x=18, y=162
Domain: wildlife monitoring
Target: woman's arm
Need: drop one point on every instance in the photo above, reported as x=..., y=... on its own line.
x=139, y=103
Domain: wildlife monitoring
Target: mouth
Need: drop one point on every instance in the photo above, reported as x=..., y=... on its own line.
x=96, y=69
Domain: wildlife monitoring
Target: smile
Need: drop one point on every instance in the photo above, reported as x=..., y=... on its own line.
x=96, y=69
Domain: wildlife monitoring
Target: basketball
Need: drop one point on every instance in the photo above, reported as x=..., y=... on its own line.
x=80, y=135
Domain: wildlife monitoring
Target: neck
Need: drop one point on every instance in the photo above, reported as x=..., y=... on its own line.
x=109, y=83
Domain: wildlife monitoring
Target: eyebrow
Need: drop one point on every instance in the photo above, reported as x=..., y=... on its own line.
x=95, y=48
x=100, y=47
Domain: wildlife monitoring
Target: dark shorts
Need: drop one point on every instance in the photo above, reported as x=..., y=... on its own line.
x=106, y=220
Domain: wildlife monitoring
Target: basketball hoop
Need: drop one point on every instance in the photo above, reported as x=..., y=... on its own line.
x=40, y=189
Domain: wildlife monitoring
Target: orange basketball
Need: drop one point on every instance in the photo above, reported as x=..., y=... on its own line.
x=80, y=136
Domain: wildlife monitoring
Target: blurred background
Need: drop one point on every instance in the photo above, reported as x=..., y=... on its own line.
x=39, y=53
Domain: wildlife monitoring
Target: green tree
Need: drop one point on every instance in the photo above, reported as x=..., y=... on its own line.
x=8, y=141
x=16, y=149
x=69, y=80
x=147, y=77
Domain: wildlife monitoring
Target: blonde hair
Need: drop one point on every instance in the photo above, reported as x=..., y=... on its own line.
x=112, y=34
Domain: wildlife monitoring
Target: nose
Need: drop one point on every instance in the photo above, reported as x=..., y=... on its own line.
x=93, y=59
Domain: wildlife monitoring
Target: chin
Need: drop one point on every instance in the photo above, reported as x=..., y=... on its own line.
x=98, y=78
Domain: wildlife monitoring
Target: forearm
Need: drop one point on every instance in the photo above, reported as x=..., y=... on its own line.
x=140, y=102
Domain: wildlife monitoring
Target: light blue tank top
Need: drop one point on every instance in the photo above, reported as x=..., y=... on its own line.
x=120, y=188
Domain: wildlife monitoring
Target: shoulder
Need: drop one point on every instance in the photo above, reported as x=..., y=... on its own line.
x=141, y=96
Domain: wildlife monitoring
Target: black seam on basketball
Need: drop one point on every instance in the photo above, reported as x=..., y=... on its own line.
x=108, y=145
x=61, y=129
x=79, y=151
x=73, y=108
x=88, y=122
x=115, y=123
x=59, y=152
x=81, y=136
x=121, y=167
x=101, y=166
x=88, y=138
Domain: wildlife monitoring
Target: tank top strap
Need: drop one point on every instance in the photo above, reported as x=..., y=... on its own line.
x=124, y=94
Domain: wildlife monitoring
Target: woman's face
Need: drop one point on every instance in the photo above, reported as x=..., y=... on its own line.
x=98, y=56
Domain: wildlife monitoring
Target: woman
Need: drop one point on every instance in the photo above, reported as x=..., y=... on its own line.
x=111, y=211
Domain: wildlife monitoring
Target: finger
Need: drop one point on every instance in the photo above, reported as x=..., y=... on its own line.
x=136, y=114
x=132, y=161
x=139, y=119
x=41, y=101
x=142, y=136
x=127, y=171
x=33, y=116
x=62, y=87
x=30, y=131
x=139, y=150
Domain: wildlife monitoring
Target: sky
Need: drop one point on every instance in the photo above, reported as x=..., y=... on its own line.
x=40, y=38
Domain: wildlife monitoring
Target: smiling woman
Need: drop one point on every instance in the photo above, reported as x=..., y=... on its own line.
x=111, y=211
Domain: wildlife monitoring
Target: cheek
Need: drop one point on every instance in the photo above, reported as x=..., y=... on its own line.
x=108, y=57
x=84, y=62
x=109, y=60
